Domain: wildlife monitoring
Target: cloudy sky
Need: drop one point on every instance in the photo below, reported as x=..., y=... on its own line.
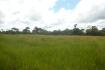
x=51, y=14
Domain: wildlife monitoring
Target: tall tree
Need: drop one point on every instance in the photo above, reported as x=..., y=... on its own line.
x=92, y=31
x=26, y=30
x=15, y=30
x=35, y=30
x=77, y=31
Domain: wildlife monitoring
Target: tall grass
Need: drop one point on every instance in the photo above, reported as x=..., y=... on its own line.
x=33, y=52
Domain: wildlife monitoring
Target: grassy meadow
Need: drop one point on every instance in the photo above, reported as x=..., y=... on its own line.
x=33, y=52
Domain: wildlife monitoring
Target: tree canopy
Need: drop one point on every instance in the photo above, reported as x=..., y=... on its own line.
x=93, y=30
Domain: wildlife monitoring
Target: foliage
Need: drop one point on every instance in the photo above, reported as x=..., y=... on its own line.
x=94, y=31
x=26, y=30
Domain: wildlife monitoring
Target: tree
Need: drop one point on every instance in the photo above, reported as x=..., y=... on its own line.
x=102, y=32
x=93, y=31
x=26, y=30
x=75, y=26
x=103, y=29
x=15, y=30
x=35, y=30
x=67, y=32
x=77, y=31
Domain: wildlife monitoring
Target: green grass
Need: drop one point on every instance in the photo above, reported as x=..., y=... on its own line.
x=33, y=52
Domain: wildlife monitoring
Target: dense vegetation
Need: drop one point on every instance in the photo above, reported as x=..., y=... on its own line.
x=93, y=30
x=34, y=52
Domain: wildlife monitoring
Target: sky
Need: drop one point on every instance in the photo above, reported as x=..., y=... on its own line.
x=66, y=4
x=51, y=14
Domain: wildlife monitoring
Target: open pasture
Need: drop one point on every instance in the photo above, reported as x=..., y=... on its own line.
x=39, y=52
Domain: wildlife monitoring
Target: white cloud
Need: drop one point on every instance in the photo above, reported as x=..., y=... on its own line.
x=22, y=13
x=25, y=12
x=1, y=17
x=90, y=10
x=87, y=12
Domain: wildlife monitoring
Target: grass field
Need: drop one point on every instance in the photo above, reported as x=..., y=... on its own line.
x=33, y=52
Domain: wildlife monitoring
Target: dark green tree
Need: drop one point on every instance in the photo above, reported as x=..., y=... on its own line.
x=37, y=30
x=93, y=31
x=15, y=30
x=26, y=30
x=102, y=32
x=77, y=31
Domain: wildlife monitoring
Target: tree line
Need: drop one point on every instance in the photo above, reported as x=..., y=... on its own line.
x=93, y=30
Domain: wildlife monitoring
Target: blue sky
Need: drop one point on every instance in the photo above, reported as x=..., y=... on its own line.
x=66, y=4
